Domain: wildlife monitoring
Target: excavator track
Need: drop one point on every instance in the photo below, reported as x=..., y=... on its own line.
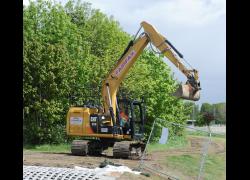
x=95, y=148
x=128, y=149
x=79, y=147
x=86, y=147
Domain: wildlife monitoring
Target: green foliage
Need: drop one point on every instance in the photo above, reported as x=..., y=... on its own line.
x=199, y=120
x=193, y=109
x=58, y=148
x=49, y=71
x=201, y=133
x=68, y=48
x=220, y=113
x=205, y=118
x=216, y=113
x=206, y=107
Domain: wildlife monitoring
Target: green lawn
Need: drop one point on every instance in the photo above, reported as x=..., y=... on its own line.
x=173, y=143
x=60, y=148
x=200, y=133
x=188, y=165
x=214, y=167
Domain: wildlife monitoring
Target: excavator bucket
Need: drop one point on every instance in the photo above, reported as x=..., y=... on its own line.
x=186, y=91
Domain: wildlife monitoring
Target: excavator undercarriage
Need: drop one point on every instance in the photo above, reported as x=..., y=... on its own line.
x=122, y=149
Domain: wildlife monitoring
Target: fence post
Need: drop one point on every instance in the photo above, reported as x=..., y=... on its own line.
x=204, y=154
x=143, y=154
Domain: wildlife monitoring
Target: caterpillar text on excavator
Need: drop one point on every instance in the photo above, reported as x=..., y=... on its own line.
x=120, y=123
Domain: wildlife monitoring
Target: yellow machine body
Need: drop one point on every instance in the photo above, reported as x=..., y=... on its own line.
x=82, y=121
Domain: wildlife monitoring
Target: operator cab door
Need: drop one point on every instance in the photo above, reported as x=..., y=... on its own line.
x=135, y=112
x=137, y=119
x=123, y=116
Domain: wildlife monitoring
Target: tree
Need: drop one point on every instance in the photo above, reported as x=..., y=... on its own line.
x=207, y=118
x=204, y=115
x=220, y=113
x=215, y=111
x=206, y=107
x=193, y=109
x=49, y=71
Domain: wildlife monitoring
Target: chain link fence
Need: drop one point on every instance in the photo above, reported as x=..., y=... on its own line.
x=163, y=150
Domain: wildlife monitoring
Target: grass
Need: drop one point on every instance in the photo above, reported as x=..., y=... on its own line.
x=173, y=143
x=56, y=148
x=176, y=142
x=214, y=167
x=188, y=165
x=181, y=141
x=199, y=133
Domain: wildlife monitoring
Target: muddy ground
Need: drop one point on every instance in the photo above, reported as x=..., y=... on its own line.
x=152, y=159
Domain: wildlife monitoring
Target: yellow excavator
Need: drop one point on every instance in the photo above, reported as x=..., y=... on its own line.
x=120, y=123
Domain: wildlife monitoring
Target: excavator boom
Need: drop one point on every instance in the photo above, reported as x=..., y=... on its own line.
x=189, y=91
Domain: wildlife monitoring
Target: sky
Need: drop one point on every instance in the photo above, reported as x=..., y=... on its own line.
x=197, y=28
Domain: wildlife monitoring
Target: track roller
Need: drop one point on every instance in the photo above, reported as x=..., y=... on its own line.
x=86, y=147
x=79, y=147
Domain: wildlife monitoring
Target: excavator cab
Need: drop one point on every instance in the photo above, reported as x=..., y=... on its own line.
x=134, y=110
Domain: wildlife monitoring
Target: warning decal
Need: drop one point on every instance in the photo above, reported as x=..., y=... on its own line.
x=76, y=120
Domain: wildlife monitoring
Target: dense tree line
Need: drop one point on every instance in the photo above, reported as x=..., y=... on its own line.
x=215, y=112
x=70, y=47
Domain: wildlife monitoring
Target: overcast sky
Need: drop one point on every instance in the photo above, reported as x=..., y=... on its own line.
x=197, y=28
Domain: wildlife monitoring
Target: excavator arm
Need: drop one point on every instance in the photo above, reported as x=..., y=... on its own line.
x=166, y=48
x=190, y=90
x=111, y=84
